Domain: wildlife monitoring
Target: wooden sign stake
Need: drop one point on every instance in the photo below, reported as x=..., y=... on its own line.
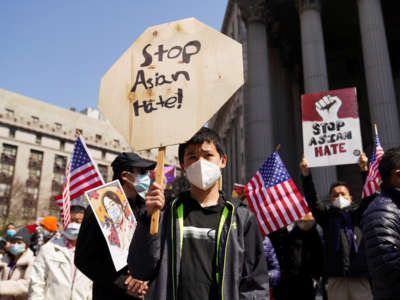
x=375, y=129
x=155, y=217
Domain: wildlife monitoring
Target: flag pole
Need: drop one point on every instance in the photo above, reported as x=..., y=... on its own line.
x=78, y=132
x=155, y=216
x=375, y=129
x=278, y=147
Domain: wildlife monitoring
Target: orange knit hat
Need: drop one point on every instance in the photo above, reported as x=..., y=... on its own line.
x=50, y=223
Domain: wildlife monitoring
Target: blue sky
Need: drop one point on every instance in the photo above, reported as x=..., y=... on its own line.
x=57, y=51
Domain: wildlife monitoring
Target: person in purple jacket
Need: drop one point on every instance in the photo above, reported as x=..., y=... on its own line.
x=274, y=271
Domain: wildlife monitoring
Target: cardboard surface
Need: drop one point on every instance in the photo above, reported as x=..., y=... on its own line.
x=170, y=82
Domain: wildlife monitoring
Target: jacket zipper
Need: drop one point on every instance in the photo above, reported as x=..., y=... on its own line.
x=180, y=220
x=173, y=249
x=226, y=249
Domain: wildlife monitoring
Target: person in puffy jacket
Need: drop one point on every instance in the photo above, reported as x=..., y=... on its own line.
x=274, y=271
x=54, y=275
x=381, y=227
x=15, y=268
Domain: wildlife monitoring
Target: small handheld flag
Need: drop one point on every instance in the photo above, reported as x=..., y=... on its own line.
x=81, y=175
x=373, y=179
x=273, y=196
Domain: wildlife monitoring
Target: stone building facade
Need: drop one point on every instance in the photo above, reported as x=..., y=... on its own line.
x=295, y=47
x=36, y=140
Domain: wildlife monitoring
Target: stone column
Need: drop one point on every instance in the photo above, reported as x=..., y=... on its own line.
x=381, y=93
x=315, y=73
x=258, y=104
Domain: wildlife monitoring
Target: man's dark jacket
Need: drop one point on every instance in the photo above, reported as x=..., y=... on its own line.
x=341, y=258
x=242, y=270
x=301, y=261
x=381, y=227
x=93, y=258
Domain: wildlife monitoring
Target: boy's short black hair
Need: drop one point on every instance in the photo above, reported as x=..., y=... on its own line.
x=339, y=183
x=390, y=161
x=203, y=135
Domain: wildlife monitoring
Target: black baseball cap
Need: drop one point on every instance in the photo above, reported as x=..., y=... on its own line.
x=23, y=235
x=130, y=159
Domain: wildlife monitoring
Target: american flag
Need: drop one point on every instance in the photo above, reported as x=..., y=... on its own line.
x=372, y=182
x=81, y=175
x=273, y=196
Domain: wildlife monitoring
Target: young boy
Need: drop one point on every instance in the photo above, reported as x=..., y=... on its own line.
x=207, y=247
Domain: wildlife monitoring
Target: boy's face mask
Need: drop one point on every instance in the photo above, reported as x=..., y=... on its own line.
x=203, y=174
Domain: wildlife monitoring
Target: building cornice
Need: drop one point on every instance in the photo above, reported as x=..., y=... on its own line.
x=303, y=5
x=252, y=10
x=50, y=131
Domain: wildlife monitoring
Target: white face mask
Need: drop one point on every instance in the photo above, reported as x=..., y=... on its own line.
x=203, y=174
x=341, y=202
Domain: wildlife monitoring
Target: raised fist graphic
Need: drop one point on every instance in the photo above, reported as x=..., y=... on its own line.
x=328, y=107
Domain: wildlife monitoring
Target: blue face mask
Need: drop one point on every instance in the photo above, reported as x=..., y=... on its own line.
x=71, y=233
x=45, y=232
x=11, y=232
x=17, y=249
x=141, y=184
x=114, y=213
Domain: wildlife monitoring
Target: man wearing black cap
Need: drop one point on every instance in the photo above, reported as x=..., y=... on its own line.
x=92, y=256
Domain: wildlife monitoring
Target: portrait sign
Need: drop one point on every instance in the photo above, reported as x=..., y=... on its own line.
x=115, y=218
x=331, y=128
x=170, y=82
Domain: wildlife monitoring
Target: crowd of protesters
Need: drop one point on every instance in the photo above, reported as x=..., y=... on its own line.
x=209, y=246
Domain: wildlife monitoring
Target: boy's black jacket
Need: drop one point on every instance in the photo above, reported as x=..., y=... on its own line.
x=243, y=271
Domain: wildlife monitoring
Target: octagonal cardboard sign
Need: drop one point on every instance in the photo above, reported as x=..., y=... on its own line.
x=170, y=82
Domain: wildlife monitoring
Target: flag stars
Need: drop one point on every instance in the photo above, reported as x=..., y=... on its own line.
x=273, y=171
x=79, y=156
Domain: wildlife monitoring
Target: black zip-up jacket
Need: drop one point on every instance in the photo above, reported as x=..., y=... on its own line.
x=381, y=227
x=340, y=258
x=242, y=269
x=93, y=258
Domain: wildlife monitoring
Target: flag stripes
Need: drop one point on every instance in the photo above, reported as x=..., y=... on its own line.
x=81, y=176
x=273, y=196
x=373, y=179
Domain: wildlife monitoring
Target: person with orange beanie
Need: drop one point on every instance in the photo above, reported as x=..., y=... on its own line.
x=46, y=230
x=49, y=223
